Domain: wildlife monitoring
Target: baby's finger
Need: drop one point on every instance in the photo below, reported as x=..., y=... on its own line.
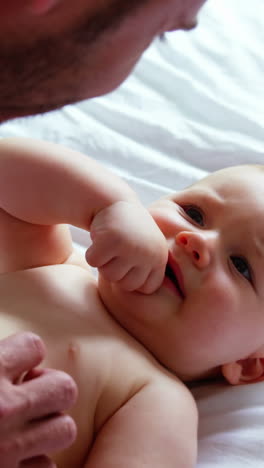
x=153, y=282
x=114, y=270
x=134, y=279
x=98, y=255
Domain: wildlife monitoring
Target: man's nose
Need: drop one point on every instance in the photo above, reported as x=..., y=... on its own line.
x=198, y=246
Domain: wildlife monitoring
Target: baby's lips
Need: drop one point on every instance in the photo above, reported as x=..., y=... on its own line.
x=175, y=267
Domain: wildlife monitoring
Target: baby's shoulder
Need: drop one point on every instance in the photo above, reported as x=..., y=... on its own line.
x=63, y=285
x=130, y=372
x=143, y=393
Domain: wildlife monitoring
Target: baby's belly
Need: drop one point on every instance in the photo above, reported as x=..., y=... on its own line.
x=58, y=303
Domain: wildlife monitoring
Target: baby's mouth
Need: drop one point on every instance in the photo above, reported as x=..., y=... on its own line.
x=174, y=275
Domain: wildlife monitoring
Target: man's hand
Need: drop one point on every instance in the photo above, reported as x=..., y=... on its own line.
x=128, y=247
x=31, y=403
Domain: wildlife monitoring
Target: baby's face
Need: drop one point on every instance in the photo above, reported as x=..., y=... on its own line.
x=210, y=308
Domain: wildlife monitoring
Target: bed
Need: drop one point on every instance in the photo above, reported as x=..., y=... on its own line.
x=194, y=103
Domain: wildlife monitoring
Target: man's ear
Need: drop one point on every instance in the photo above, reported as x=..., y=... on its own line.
x=248, y=370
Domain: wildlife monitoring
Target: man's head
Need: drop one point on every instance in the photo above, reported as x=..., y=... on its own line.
x=55, y=52
x=208, y=316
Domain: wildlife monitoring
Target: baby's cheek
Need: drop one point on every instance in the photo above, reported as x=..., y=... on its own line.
x=223, y=307
x=223, y=293
x=166, y=216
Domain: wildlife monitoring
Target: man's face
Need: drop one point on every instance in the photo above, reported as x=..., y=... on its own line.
x=55, y=52
x=209, y=310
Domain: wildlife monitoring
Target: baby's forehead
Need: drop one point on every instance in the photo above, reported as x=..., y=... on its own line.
x=241, y=182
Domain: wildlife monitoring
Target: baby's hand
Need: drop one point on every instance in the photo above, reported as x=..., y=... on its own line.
x=128, y=247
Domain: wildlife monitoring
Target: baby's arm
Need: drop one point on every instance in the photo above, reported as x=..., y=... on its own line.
x=46, y=184
x=156, y=428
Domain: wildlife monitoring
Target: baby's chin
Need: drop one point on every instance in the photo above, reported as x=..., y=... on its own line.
x=134, y=313
x=119, y=302
x=129, y=309
x=106, y=290
x=111, y=295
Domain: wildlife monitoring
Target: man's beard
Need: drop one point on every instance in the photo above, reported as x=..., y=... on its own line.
x=44, y=75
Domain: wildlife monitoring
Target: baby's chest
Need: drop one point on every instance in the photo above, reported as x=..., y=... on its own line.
x=61, y=304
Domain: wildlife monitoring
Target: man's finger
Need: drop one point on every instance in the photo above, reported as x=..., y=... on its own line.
x=49, y=436
x=20, y=353
x=51, y=392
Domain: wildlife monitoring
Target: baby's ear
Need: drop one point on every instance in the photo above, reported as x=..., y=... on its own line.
x=248, y=370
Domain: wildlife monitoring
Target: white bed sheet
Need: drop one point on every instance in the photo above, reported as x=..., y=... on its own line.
x=193, y=104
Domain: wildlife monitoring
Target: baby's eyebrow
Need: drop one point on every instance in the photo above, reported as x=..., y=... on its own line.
x=207, y=196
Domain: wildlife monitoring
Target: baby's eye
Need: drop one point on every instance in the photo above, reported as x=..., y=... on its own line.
x=195, y=214
x=242, y=267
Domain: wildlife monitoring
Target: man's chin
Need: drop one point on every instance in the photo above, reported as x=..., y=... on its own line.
x=28, y=111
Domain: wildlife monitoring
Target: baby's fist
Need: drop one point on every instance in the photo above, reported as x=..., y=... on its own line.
x=128, y=247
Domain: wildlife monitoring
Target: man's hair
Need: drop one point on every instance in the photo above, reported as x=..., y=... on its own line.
x=28, y=70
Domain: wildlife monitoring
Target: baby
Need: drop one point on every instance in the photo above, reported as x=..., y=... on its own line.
x=179, y=296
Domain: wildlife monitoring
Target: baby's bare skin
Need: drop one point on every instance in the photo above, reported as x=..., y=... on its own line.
x=193, y=265
x=61, y=304
x=131, y=412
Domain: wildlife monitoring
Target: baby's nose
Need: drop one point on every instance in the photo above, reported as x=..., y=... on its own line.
x=196, y=246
